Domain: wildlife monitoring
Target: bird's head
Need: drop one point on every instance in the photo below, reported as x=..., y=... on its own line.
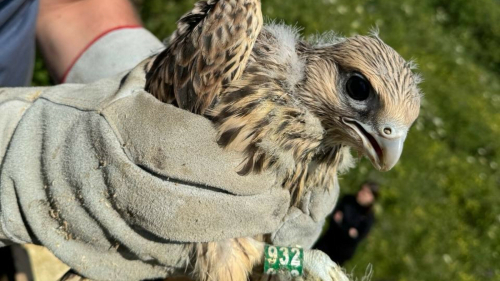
x=365, y=95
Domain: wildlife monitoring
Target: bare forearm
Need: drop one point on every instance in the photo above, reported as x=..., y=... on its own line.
x=66, y=27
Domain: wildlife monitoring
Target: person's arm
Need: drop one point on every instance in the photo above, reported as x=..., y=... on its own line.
x=119, y=185
x=364, y=228
x=345, y=206
x=338, y=213
x=66, y=27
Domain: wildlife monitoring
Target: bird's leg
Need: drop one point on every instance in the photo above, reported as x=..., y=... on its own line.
x=317, y=266
x=236, y=259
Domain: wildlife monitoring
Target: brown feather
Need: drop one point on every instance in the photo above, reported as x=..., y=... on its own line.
x=229, y=260
x=209, y=49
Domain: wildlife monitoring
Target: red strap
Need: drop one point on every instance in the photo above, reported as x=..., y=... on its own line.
x=63, y=80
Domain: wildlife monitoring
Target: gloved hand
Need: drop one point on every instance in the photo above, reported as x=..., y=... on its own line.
x=303, y=223
x=114, y=183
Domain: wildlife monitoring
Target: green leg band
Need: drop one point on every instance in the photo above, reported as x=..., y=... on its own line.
x=283, y=260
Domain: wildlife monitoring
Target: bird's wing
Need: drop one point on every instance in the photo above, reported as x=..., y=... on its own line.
x=209, y=49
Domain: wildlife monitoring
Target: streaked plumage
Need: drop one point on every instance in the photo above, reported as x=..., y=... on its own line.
x=284, y=102
x=209, y=49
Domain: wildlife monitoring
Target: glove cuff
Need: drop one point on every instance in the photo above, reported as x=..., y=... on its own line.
x=108, y=50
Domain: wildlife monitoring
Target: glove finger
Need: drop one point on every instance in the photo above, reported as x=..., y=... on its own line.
x=177, y=144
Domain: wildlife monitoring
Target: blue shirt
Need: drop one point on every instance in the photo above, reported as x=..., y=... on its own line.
x=17, y=41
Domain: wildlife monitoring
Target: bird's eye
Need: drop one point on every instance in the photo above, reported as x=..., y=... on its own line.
x=358, y=87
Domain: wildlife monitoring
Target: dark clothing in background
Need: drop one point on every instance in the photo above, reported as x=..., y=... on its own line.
x=336, y=242
x=17, y=41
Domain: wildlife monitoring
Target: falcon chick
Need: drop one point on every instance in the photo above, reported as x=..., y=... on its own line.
x=292, y=106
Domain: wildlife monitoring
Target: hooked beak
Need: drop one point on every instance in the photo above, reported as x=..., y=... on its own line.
x=382, y=149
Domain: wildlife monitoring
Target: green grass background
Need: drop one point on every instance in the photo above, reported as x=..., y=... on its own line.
x=438, y=217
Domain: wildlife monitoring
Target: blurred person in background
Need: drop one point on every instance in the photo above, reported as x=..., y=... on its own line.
x=350, y=223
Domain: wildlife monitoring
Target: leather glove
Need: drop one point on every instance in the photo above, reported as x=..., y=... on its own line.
x=303, y=223
x=114, y=183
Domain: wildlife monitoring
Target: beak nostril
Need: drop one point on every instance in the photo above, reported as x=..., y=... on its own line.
x=387, y=131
